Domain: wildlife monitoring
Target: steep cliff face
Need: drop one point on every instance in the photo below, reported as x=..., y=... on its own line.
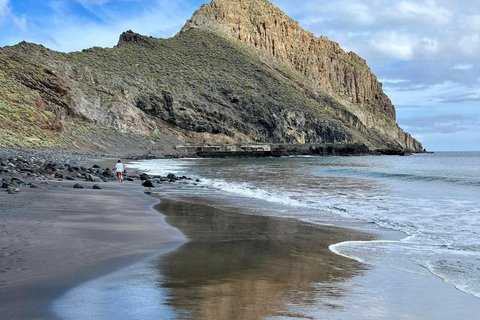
x=239, y=71
x=327, y=67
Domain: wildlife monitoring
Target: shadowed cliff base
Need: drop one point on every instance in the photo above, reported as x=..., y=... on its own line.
x=249, y=267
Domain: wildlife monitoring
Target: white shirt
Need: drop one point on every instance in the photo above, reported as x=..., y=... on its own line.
x=119, y=167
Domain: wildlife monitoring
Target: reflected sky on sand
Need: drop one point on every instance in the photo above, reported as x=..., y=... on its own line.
x=250, y=267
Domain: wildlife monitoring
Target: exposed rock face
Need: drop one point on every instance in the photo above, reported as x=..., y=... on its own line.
x=262, y=25
x=226, y=77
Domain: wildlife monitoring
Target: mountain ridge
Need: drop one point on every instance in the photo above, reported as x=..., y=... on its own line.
x=208, y=84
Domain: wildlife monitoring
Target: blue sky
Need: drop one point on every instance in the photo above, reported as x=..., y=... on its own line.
x=426, y=52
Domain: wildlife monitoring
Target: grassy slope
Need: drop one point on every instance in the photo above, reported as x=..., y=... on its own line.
x=230, y=89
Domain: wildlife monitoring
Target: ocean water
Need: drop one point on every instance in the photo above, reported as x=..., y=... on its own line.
x=426, y=207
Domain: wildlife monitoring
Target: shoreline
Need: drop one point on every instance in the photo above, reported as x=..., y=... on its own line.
x=253, y=266
x=236, y=260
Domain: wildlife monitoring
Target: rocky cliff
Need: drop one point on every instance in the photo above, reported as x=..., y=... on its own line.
x=239, y=71
x=326, y=66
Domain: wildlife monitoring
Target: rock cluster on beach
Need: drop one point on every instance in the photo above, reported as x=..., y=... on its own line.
x=155, y=181
x=30, y=168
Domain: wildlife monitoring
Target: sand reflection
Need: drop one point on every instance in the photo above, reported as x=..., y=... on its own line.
x=249, y=267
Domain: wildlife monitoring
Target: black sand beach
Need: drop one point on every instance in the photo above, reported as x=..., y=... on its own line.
x=240, y=266
x=117, y=253
x=57, y=237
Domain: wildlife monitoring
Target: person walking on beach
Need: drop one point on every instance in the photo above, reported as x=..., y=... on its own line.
x=119, y=169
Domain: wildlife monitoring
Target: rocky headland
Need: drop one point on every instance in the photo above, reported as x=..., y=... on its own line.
x=238, y=72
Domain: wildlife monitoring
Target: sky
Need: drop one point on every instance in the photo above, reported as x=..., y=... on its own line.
x=425, y=52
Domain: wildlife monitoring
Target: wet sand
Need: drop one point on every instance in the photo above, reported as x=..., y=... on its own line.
x=107, y=254
x=56, y=237
x=240, y=266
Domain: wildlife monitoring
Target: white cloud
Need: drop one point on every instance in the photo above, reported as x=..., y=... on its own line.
x=463, y=66
x=395, y=45
x=4, y=10
x=470, y=22
x=427, y=11
x=92, y=2
x=470, y=45
x=393, y=80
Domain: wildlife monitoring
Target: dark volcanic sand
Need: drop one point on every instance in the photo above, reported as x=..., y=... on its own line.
x=249, y=267
x=56, y=237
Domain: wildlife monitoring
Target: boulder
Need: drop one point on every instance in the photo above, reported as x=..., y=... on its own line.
x=108, y=173
x=77, y=186
x=96, y=186
x=12, y=189
x=148, y=184
x=91, y=177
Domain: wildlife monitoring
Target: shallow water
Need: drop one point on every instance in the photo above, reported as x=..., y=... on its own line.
x=433, y=199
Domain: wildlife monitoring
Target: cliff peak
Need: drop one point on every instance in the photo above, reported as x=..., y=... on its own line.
x=130, y=37
x=322, y=62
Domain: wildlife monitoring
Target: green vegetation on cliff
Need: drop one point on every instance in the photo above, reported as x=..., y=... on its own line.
x=199, y=86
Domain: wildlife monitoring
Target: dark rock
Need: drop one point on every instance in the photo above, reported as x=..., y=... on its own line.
x=96, y=166
x=144, y=176
x=90, y=177
x=5, y=185
x=60, y=174
x=171, y=176
x=70, y=178
x=108, y=173
x=129, y=179
x=78, y=186
x=148, y=184
x=96, y=186
x=18, y=181
x=34, y=186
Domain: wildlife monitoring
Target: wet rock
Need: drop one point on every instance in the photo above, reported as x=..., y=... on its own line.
x=144, y=176
x=34, y=186
x=148, y=184
x=96, y=186
x=171, y=176
x=77, y=186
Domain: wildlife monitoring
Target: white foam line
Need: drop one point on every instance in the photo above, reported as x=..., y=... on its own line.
x=461, y=288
